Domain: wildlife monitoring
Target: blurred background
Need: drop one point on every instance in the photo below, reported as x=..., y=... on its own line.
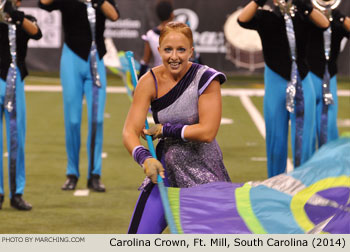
x=218, y=38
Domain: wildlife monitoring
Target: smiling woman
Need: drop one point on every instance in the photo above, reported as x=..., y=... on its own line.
x=185, y=99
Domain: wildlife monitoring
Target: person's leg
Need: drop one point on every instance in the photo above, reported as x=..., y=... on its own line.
x=2, y=98
x=276, y=121
x=72, y=84
x=317, y=84
x=332, y=132
x=21, y=135
x=96, y=100
x=308, y=123
x=16, y=131
x=148, y=216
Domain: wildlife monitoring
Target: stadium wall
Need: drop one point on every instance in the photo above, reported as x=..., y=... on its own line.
x=219, y=41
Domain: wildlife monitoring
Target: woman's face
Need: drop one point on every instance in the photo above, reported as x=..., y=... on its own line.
x=175, y=50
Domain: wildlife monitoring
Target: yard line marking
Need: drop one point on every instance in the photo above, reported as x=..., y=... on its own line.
x=343, y=122
x=254, y=114
x=80, y=193
x=56, y=88
x=223, y=120
x=259, y=121
x=241, y=91
x=259, y=159
x=236, y=92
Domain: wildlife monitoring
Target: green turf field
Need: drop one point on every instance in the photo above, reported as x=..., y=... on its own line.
x=57, y=211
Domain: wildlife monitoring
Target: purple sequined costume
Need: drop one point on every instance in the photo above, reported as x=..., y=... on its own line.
x=186, y=163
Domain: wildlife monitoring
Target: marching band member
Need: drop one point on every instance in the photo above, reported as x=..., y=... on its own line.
x=289, y=92
x=164, y=10
x=322, y=55
x=83, y=73
x=185, y=99
x=15, y=33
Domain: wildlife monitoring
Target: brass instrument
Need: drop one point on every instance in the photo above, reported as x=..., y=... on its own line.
x=286, y=7
x=326, y=6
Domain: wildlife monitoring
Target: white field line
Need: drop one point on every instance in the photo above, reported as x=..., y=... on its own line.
x=122, y=90
x=56, y=88
x=259, y=121
x=242, y=93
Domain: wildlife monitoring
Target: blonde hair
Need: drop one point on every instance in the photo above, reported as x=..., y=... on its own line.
x=178, y=27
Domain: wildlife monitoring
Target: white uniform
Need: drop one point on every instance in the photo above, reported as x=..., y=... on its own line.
x=152, y=37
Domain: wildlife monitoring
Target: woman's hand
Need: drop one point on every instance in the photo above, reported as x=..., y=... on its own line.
x=152, y=168
x=155, y=132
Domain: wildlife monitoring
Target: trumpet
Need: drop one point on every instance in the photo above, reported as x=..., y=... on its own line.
x=326, y=6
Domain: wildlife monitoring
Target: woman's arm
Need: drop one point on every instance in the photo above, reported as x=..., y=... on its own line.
x=318, y=18
x=135, y=120
x=305, y=7
x=209, y=110
x=248, y=12
x=46, y=2
x=346, y=24
x=30, y=27
x=109, y=10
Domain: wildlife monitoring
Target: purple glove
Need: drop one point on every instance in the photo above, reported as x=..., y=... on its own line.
x=140, y=154
x=173, y=130
x=152, y=167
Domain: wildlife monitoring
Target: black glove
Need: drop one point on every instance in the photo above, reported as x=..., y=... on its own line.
x=97, y=3
x=260, y=2
x=337, y=15
x=16, y=17
x=304, y=6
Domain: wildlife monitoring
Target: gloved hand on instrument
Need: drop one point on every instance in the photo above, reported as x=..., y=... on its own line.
x=16, y=17
x=167, y=130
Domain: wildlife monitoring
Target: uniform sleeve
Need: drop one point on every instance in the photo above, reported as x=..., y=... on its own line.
x=55, y=5
x=254, y=22
x=339, y=21
x=145, y=37
x=208, y=76
x=38, y=35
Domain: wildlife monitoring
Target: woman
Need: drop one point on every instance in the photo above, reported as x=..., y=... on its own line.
x=185, y=100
